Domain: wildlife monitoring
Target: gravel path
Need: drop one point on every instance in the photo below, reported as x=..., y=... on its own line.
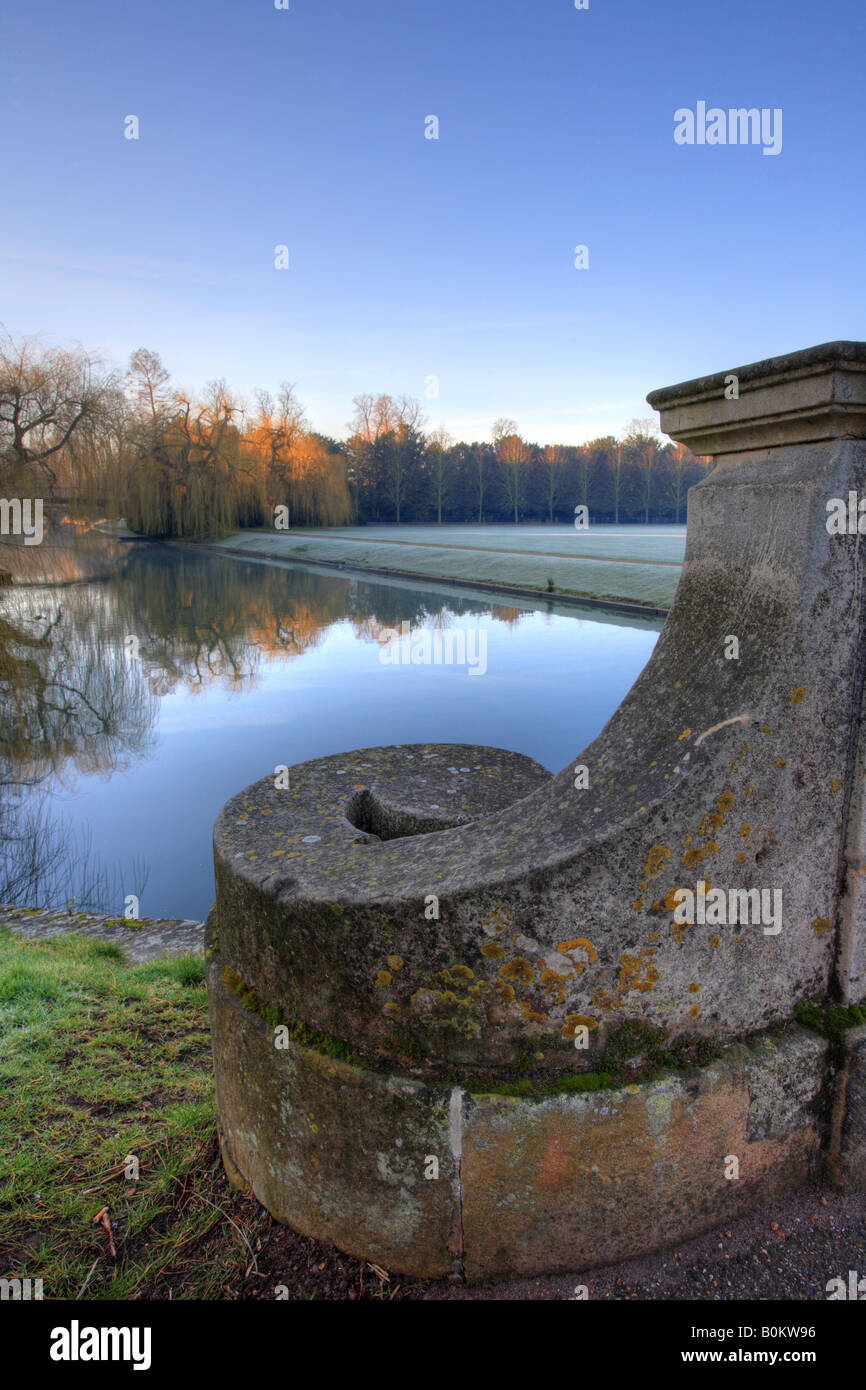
x=789, y=1250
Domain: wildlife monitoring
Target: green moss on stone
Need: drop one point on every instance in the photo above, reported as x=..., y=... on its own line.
x=833, y=1021
x=300, y=1033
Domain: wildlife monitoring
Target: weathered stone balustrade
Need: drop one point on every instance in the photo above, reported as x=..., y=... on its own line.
x=410, y=945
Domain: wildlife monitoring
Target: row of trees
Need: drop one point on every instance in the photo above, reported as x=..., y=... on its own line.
x=170, y=463
x=399, y=473
x=177, y=465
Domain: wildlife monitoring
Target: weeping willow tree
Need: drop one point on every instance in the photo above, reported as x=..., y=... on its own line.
x=188, y=475
x=295, y=467
x=318, y=491
x=195, y=468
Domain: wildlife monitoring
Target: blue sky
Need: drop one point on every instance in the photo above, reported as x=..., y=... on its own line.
x=413, y=258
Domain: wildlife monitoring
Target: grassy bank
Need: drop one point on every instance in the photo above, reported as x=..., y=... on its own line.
x=649, y=577
x=100, y=1060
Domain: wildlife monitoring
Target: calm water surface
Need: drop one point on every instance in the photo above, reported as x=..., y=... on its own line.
x=152, y=698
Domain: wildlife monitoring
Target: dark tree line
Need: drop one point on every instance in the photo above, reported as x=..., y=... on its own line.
x=398, y=474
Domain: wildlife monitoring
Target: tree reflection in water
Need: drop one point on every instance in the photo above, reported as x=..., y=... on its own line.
x=92, y=642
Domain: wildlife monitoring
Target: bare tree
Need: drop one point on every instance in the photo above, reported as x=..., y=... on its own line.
x=642, y=440
x=616, y=471
x=385, y=442
x=500, y=429
x=46, y=394
x=553, y=460
x=587, y=460
x=679, y=458
x=438, y=446
x=513, y=454
x=148, y=382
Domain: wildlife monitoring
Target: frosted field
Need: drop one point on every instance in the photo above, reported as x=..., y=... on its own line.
x=638, y=564
x=665, y=544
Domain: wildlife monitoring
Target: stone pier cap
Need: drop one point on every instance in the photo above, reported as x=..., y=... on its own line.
x=816, y=394
x=487, y=912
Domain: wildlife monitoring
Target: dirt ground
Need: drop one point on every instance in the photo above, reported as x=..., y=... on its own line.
x=787, y=1251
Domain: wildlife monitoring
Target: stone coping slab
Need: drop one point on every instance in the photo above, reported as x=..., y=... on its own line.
x=819, y=393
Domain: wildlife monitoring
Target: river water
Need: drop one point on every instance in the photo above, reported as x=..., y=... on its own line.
x=134, y=706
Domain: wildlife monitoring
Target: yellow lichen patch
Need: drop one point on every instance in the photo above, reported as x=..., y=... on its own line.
x=656, y=860
x=686, y=733
x=696, y=856
x=462, y=973
x=711, y=821
x=745, y=832
x=821, y=925
x=383, y=979
x=507, y=991
x=669, y=901
x=568, y=948
x=637, y=905
x=751, y=791
x=765, y=728
x=781, y=762
x=391, y=1009
x=575, y=1021
x=798, y=695
x=531, y=1014
x=553, y=986
x=836, y=784
x=395, y=962
x=725, y=801
x=654, y=936
x=518, y=969
x=695, y=1011
x=742, y=857
x=492, y=950
x=499, y=917
x=714, y=942
x=687, y=840
x=636, y=973
x=694, y=988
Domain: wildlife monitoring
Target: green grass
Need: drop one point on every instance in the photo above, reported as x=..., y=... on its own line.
x=100, y=1059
